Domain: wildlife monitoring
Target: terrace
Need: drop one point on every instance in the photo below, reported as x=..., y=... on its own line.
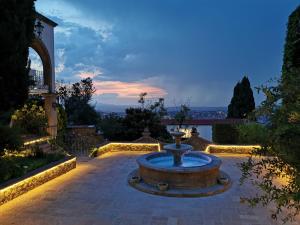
x=96, y=192
x=127, y=169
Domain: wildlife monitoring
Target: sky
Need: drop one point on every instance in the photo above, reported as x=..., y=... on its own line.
x=187, y=51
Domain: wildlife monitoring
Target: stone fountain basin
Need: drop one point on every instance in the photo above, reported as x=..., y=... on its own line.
x=202, y=176
x=183, y=148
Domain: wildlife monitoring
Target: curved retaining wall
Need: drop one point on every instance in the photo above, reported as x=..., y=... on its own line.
x=17, y=187
x=235, y=149
x=154, y=147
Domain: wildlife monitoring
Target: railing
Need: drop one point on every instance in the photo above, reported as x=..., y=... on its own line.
x=39, y=86
x=77, y=145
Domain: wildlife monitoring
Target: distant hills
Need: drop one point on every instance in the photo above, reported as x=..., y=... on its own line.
x=121, y=108
x=200, y=108
x=107, y=108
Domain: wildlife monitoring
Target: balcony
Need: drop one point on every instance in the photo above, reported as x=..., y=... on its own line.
x=39, y=86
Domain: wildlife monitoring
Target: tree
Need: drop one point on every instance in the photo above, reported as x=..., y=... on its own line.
x=135, y=121
x=17, y=32
x=142, y=98
x=282, y=107
x=76, y=101
x=242, y=102
x=182, y=114
x=158, y=108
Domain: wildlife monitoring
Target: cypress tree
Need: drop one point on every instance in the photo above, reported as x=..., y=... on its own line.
x=291, y=61
x=286, y=120
x=247, y=97
x=17, y=19
x=282, y=107
x=242, y=102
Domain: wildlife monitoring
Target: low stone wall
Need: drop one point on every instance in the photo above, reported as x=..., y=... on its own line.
x=128, y=147
x=235, y=149
x=17, y=187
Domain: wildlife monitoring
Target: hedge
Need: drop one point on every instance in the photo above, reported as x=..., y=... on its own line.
x=225, y=134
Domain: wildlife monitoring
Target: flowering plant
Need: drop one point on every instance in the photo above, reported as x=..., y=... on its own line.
x=31, y=119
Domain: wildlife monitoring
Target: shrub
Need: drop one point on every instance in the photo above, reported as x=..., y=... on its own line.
x=31, y=119
x=10, y=138
x=224, y=134
x=9, y=169
x=282, y=108
x=61, y=119
x=37, y=152
x=252, y=133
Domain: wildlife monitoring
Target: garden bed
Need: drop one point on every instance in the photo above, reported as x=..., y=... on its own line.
x=16, y=187
x=17, y=165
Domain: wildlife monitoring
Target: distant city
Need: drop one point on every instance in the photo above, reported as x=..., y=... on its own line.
x=195, y=113
x=201, y=112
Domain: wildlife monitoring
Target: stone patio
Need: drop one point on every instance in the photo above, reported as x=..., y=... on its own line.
x=97, y=193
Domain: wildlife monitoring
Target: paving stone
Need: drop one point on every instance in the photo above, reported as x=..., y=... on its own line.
x=172, y=221
x=97, y=193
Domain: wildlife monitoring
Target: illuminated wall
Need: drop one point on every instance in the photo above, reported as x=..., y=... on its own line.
x=128, y=147
x=239, y=149
x=20, y=187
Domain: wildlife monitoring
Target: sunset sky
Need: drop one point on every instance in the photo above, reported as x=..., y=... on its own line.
x=183, y=50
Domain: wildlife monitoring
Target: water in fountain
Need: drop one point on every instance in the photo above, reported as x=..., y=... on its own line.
x=178, y=155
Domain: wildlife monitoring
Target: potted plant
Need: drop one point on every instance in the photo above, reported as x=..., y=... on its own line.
x=163, y=186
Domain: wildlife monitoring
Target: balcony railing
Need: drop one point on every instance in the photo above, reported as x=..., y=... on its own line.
x=39, y=86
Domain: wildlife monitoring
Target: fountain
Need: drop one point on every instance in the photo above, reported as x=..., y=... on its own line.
x=179, y=171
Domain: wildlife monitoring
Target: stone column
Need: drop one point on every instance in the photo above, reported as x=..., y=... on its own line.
x=50, y=109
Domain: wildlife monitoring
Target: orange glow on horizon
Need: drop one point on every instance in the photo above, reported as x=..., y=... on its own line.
x=128, y=89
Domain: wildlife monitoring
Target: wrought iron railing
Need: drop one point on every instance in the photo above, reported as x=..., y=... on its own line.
x=39, y=86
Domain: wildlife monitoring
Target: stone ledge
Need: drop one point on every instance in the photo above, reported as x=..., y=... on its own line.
x=16, y=187
x=180, y=192
x=128, y=147
x=235, y=149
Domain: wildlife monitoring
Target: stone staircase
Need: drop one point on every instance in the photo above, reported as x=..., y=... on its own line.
x=41, y=142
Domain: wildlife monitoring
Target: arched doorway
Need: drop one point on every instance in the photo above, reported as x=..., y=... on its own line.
x=43, y=46
x=40, y=67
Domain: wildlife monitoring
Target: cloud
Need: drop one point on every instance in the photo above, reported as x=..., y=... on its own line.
x=125, y=93
x=170, y=48
x=130, y=57
x=35, y=60
x=86, y=74
x=60, y=60
x=128, y=89
x=73, y=15
x=85, y=71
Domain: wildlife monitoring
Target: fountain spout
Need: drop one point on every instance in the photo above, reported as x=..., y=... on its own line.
x=178, y=141
x=177, y=150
